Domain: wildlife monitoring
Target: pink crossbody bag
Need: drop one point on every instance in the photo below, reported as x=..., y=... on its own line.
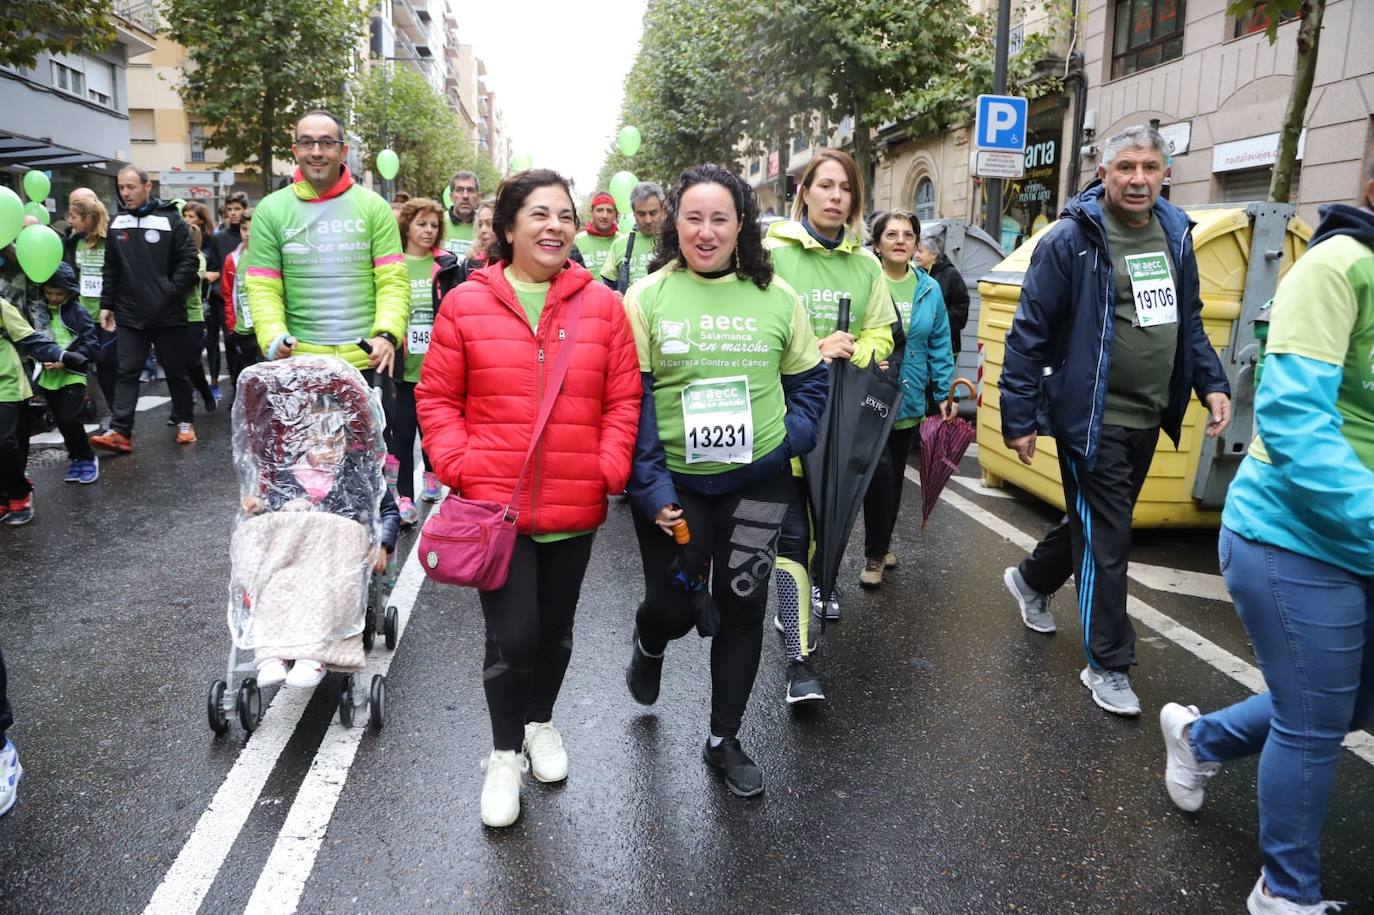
x=469, y=542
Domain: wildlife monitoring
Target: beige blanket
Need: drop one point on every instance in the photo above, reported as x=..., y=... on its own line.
x=302, y=572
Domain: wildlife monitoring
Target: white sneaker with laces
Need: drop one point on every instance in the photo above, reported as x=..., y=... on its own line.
x=544, y=747
x=305, y=674
x=271, y=672
x=1261, y=903
x=500, y=804
x=10, y=774
x=1185, y=776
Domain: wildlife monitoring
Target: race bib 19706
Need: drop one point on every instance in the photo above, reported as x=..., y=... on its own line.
x=1152, y=288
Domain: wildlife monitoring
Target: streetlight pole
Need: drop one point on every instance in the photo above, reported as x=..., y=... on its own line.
x=993, y=221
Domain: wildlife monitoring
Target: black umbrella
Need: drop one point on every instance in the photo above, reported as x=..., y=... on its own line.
x=854, y=428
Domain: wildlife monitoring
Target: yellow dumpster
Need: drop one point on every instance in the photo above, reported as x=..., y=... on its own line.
x=1242, y=252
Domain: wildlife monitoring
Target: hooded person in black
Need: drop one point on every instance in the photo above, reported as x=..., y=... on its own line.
x=150, y=268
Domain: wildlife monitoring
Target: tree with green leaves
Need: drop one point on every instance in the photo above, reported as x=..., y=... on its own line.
x=29, y=27
x=256, y=67
x=1304, y=74
x=398, y=109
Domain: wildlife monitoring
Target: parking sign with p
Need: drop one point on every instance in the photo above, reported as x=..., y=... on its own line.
x=1001, y=124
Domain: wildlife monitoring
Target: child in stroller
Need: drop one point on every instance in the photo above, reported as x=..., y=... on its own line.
x=317, y=518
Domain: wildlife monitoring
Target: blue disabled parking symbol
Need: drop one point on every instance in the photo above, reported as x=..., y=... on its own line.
x=1001, y=124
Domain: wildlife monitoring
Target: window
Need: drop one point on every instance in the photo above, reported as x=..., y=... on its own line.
x=755, y=167
x=798, y=144
x=1257, y=21
x=1148, y=32
x=100, y=83
x=1253, y=184
x=142, y=128
x=197, y=142
x=925, y=200
x=68, y=79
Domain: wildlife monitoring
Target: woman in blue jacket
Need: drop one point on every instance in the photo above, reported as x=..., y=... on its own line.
x=927, y=367
x=1297, y=553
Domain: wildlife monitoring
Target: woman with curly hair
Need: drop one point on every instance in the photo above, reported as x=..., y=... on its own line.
x=733, y=389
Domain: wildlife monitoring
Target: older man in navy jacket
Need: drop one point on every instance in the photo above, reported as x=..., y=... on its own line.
x=1106, y=349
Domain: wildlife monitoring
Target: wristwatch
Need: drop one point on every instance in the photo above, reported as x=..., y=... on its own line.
x=389, y=339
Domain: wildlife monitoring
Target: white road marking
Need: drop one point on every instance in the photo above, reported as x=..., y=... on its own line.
x=1180, y=581
x=54, y=437
x=186, y=883
x=972, y=484
x=1361, y=743
x=292, y=859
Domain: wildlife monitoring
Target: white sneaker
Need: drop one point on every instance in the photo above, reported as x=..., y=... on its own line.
x=1261, y=903
x=1185, y=776
x=10, y=774
x=501, y=789
x=305, y=674
x=544, y=747
x=271, y=672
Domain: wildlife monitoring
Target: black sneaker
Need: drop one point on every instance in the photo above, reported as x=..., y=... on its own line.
x=643, y=674
x=802, y=683
x=742, y=775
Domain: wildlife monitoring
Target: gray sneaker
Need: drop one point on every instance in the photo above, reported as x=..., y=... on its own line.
x=1035, y=607
x=1111, y=690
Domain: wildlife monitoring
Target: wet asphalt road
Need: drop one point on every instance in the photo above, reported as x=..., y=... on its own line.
x=958, y=765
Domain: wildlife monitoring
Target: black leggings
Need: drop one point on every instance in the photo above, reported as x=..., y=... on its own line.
x=403, y=439
x=214, y=323
x=243, y=350
x=14, y=449
x=530, y=634
x=65, y=404
x=741, y=534
x=195, y=369
x=884, y=497
x=106, y=367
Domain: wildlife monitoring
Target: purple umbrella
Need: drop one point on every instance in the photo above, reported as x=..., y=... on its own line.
x=942, y=448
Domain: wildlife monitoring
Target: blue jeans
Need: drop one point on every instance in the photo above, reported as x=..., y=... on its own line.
x=1312, y=627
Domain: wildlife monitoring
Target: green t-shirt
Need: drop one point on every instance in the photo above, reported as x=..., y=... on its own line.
x=195, y=308
x=594, y=249
x=1325, y=311
x=14, y=383
x=718, y=349
x=458, y=237
x=532, y=297
x=1142, y=357
x=62, y=335
x=639, y=258
x=420, y=270
x=90, y=262
x=903, y=294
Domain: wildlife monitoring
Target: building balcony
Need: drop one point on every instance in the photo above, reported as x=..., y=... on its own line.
x=407, y=20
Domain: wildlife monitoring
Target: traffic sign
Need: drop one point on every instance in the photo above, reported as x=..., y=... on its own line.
x=990, y=163
x=1001, y=124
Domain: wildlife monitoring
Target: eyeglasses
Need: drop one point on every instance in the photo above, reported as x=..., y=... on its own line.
x=326, y=144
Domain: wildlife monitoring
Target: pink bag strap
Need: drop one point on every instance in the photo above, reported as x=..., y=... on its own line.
x=560, y=372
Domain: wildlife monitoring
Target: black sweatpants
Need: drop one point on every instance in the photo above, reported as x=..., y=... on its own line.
x=242, y=352
x=65, y=404
x=195, y=369
x=14, y=449
x=6, y=713
x=107, y=366
x=133, y=344
x=530, y=634
x=740, y=531
x=214, y=324
x=1093, y=541
x=403, y=439
x=884, y=497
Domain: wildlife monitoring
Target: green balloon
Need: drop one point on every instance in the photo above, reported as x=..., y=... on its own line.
x=629, y=141
x=37, y=185
x=448, y=199
x=39, y=250
x=388, y=164
x=521, y=162
x=37, y=211
x=621, y=185
x=11, y=216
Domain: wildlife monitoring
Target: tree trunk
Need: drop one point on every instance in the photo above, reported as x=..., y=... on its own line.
x=265, y=147
x=863, y=152
x=1309, y=34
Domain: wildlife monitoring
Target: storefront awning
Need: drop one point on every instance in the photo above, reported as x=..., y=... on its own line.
x=44, y=154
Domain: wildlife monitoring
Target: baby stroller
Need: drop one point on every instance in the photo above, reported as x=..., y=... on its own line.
x=314, y=517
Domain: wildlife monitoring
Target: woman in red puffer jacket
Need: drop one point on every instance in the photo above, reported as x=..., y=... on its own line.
x=495, y=340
